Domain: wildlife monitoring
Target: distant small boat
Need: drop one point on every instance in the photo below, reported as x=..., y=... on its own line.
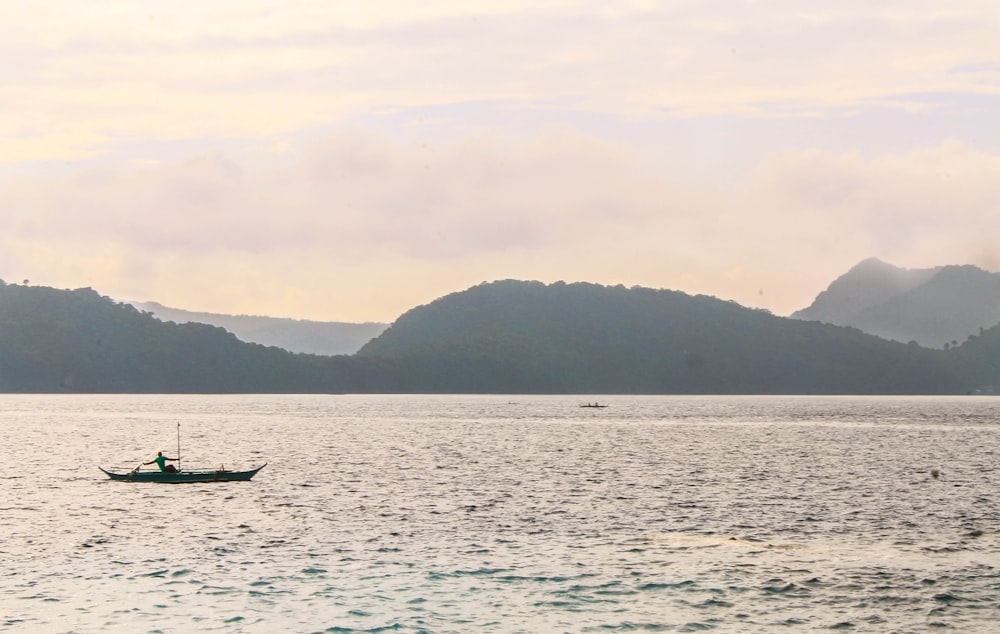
x=177, y=477
x=592, y=405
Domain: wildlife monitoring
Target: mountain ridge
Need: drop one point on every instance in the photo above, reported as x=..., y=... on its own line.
x=936, y=307
x=507, y=336
x=294, y=335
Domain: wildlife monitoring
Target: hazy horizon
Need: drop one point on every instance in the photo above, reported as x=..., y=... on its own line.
x=347, y=163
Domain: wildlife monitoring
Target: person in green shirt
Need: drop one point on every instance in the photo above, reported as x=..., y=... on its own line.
x=161, y=462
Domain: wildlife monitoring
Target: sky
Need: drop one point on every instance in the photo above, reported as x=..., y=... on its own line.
x=350, y=160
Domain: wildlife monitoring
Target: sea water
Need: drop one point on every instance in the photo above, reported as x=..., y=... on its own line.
x=502, y=514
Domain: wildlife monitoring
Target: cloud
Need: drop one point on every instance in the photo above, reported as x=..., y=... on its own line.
x=928, y=206
x=360, y=211
x=91, y=77
x=266, y=157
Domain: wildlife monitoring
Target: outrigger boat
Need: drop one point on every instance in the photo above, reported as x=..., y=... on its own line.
x=175, y=477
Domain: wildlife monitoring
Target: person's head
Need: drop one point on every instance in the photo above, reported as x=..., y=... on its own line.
x=159, y=453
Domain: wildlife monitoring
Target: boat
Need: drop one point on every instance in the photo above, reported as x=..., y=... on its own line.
x=176, y=477
x=592, y=405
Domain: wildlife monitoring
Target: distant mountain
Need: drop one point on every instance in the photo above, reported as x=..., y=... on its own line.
x=935, y=307
x=312, y=337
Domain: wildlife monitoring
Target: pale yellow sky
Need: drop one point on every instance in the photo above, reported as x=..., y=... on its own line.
x=351, y=160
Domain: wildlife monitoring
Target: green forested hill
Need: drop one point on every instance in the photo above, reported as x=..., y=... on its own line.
x=78, y=341
x=526, y=336
x=501, y=337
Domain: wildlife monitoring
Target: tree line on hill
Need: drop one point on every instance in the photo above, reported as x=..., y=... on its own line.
x=500, y=337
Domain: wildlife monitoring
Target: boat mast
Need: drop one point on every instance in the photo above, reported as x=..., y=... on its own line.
x=178, y=446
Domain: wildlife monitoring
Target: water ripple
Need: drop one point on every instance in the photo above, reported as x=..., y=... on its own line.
x=456, y=514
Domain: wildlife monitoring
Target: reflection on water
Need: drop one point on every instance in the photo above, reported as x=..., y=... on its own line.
x=502, y=514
